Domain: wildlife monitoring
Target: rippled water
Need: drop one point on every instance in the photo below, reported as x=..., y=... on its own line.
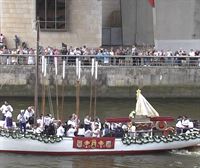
x=111, y=108
x=180, y=159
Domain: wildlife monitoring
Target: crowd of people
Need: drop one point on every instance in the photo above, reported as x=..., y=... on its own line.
x=104, y=55
x=70, y=128
x=25, y=118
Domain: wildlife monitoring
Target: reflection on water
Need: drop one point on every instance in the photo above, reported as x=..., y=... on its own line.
x=110, y=108
x=107, y=107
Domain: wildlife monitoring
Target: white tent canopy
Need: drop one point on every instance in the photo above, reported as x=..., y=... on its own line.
x=143, y=107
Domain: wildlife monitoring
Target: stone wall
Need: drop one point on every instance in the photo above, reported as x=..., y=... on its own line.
x=112, y=81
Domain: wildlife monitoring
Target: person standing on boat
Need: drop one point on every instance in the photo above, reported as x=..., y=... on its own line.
x=71, y=131
x=4, y=108
x=8, y=118
x=96, y=121
x=179, y=125
x=106, y=131
x=119, y=132
x=48, y=125
x=29, y=113
x=73, y=120
x=96, y=132
x=81, y=131
x=22, y=121
x=88, y=133
x=38, y=129
x=87, y=122
x=40, y=121
x=131, y=129
x=60, y=130
x=185, y=123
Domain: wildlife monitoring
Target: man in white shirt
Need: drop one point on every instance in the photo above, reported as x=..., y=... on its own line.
x=185, y=122
x=71, y=131
x=179, y=126
x=4, y=108
x=29, y=113
x=81, y=131
x=40, y=121
x=96, y=132
x=87, y=123
x=60, y=130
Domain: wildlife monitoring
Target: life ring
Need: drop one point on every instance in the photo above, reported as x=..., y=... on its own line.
x=161, y=125
x=167, y=131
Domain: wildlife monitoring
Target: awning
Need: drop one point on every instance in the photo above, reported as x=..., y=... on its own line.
x=167, y=118
x=118, y=120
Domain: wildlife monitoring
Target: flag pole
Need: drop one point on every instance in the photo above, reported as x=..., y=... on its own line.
x=36, y=71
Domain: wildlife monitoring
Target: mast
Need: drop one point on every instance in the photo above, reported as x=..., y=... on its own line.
x=63, y=88
x=36, y=71
x=91, y=87
x=78, y=75
x=44, y=66
x=56, y=77
x=95, y=89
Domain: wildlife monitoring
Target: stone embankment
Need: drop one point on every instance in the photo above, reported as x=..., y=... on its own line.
x=19, y=80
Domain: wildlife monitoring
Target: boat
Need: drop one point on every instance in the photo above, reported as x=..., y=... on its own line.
x=152, y=134
x=13, y=141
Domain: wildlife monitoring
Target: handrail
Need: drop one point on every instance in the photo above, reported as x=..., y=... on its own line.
x=105, y=60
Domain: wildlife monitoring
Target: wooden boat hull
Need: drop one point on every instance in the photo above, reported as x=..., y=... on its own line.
x=66, y=147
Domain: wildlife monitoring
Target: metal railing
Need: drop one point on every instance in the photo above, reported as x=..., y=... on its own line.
x=105, y=60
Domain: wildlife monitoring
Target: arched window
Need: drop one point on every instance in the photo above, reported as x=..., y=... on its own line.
x=52, y=14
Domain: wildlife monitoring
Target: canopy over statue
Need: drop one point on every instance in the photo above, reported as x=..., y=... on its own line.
x=143, y=107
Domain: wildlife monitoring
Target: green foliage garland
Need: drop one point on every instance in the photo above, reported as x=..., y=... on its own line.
x=40, y=137
x=128, y=140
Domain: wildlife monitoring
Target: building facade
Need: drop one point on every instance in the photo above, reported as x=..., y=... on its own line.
x=77, y=22
x=102, y=22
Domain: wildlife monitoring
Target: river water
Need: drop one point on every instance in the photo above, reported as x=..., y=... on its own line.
x=110, y=108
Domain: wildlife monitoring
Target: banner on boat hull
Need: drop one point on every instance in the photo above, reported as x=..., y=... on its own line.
x=94, y=143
